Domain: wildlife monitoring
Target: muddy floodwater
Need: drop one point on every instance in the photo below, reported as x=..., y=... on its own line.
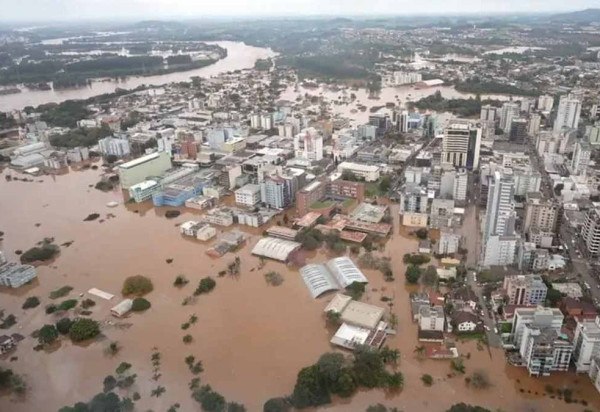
x=252, y=338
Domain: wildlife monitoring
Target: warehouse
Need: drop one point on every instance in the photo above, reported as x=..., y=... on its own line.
x=276, y=249
x=338, y=273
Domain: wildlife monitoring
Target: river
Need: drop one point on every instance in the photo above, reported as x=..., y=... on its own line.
x=239, y=56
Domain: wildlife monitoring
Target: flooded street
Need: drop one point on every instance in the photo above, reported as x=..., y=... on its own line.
x=239, y=56
x=252, y=338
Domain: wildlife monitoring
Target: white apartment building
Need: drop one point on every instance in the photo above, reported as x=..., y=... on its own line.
x=581, y=157
x=488, y=113
x=431, y=318
x=586, y=343
x=527, y=290
x=449, y=242
x=591, y=231
x=567, y=116
x=308, y=144
x=248, y=195
x=113, y=146
x=545, y=103
x=508, y=112
x=461, y=179
x=539, y=317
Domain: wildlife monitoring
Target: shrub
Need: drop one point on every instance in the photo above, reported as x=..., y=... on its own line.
x=412, y=274
x=64, y=326
x=51, y=308
x=40, y=253
x=60, y=292
x=84, y=329
x=140, y=305
x=187, y=339
x=87, y=303
x=210, y=400
x=422, y=233
x=185, y=326
x=273, y=278
x=427, y=380
x=356, y=290
x=47, y=335
x=137, y=285
x=31, y=302
x=67, y=304
x=277, y=405
x=479, y=380
x=205, y=286
x=180, y=281
x=122, y=368
x=8, y=322
x=109, y=383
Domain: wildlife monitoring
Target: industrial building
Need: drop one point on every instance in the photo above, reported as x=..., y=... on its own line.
x=138, y=170
x=276, y=249
x=338, y=273
x=14, y=275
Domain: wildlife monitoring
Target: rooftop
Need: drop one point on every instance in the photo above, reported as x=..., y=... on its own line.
x=362, y=314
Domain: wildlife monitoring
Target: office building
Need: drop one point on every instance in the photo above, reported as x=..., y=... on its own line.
x=528, y=290
x=370, y=173
x=586, y=343
x=581, y=157
x=567, y=115
x=308, y=145
x=533, y=127
x=545, y=103
x=138, y=170
x=111, y=146
x=591, y=232
x=382, y=123
x=518, y=130
x=461, y=180
x=413, y=199
x=508, y=112
x=461, y=144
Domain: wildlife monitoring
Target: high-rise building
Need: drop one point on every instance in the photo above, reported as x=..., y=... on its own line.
x=114, y=147
x=581, y=157
x=461, y=143
x=529, y=290
x=541, y=214
x=308, y=144
x=567, y=115
x=545, y=350
x=591, y=231
x=461, y=179
x=488, y=113
x=381, y=121
x=518, y=130
x=508, y=111
x=539, y=317
x=545, y=103
x=586, y=343
x=533, y=128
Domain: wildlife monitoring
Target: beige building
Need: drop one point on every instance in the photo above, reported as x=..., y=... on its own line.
x=140, y=169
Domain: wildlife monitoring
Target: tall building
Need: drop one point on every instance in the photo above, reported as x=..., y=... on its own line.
x=114, y=147
x=518, y=130
x=138, y=170
x=461, y=143
x=382, y=123
x=461, y=179
x=308, y=144
x=539, y=318
x=545, y=103
x=545, y=350
x=508, y=111
x=591, y=231
x=529, y=290
x=488, y=113
x=581, y=157
x=586, y=343
x=567, y=115
x=541, y=214
x=533, y=128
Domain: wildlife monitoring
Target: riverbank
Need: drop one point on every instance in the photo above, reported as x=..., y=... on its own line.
x=239, y=57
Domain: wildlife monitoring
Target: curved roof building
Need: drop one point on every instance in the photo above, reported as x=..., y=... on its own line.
x=345, y=271
x=277, y=249
x=318, y=279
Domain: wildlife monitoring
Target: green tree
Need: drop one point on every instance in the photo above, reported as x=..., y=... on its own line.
x=84, y=329
x=430, y=277
x=412, y=274
x=47, y=335
x=310, y=389
x=206, y=285
x=427, y=380
x=64, y=325
x=210, y=400
x=137, y=285
x=277, y=405
x=140, y=305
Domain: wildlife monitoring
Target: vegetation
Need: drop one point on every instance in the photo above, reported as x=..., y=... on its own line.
x=60, y=292
x=461, y=107
x=413, y=273
x=63, y=326
x=140, y=305
x=355, y=290
x=335, y=374
x=334, y=319
x=47, y=335
x=422, y=233
x=80, y=137
x=416, y=259
x=137, y=286
x=430, y=277
x=463, y=407
x=427, y=380
x=180, y=281
x=84, y=329
x=210, y=400
x=479, y=380
x=263, y=64
x=7, y=322
x=310, y=239
x=457, y=365
x=108, y=401
x=11, y=382
x=87, y=303
x=67, y=304
x=122, y=368
x=277, y=405
x=273, y=278
x=46, y=251
x=187, y=339
x=65, y=114
x=31, y=302
x=206, y=285
x=476, y=85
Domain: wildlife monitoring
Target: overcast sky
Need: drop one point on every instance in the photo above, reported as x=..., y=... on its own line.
x=39, y=10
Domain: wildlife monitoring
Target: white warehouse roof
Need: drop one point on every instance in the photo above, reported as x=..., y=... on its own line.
x=338, y=273
x=274, y=248
x=346, y=272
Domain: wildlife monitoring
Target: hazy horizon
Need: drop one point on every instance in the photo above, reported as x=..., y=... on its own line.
x=135, y=10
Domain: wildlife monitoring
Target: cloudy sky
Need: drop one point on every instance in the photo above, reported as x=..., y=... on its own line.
x=38, y=10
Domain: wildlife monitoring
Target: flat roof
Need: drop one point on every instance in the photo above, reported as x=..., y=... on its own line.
x=139, y=160
x=362, y=314
x=338, y=303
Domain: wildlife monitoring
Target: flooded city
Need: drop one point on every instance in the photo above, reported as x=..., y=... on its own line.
x=252, y=338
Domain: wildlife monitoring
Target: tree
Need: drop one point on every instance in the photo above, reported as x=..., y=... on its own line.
x=427, y=380
x=235, y=407
x=276, y=405
x=206, y=285
x=137, y=285
x=109, y=383
x=479, y=380
x=412, y=274
x=356, y=290
x=47, y=335
x=64, y=325
x=140, y=305
x=463, y=407
x=385, y=184
x=553, y=297
x=310, y=389
x=422, y=233
x=334, y=318
x=457, y=365
x=84, y=329
x=31, y=302
x=210, y=400
x=430, y=277
x=378, y=407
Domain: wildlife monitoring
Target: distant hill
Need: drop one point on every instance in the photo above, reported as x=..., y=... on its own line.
x=581, y=16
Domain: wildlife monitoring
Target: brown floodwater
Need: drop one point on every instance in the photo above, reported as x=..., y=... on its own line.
x=252, y=338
